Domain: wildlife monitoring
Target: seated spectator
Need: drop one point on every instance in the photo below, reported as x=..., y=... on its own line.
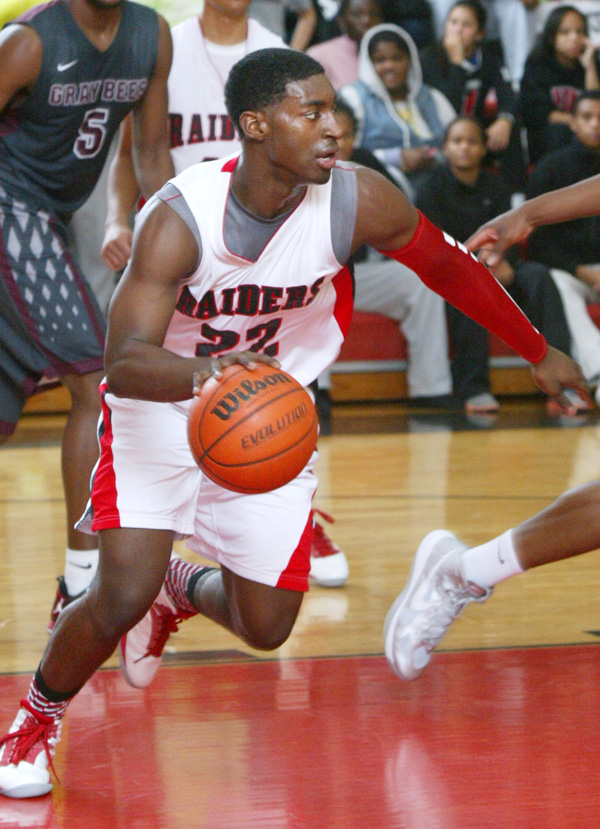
x=510, y=24
x=400, y=119
x=459, y=197
x=469, y=70
x=339, y=56
x=572, y=249
x=386, y=287
x=563, y=63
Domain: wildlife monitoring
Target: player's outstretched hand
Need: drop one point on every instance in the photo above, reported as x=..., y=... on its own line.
x=557, y=372
x=492, y=238
x=215, y=365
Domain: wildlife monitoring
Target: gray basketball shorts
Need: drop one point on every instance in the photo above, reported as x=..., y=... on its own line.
x=50, y=322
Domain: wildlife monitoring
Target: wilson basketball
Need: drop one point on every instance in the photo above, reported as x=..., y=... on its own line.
x=252, y=431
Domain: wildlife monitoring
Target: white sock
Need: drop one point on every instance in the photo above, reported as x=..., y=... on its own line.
x=80, y=569
x=491, y=562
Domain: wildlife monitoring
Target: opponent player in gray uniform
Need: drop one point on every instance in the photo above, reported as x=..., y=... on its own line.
x=70, y=72
x=187, y=306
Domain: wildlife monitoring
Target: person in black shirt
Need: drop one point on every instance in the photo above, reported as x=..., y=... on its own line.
x=563, y=63
x=468, y=69
x=458, y=196
x=571, y=249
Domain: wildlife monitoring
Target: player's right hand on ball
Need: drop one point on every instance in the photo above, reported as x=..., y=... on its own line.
x=215, y=365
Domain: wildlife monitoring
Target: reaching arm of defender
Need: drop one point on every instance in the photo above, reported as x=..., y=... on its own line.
x=387, y=221
x=576, y=201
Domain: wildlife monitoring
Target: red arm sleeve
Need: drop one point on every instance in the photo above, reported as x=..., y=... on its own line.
x=449, y=269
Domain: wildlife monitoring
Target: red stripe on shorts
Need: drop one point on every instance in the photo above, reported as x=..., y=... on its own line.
x=104, y=489
x=295, y=575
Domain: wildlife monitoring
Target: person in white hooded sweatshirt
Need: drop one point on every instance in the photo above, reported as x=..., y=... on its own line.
x=400, y=119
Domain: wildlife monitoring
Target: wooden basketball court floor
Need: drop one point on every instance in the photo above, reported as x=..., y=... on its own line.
x=501, y=730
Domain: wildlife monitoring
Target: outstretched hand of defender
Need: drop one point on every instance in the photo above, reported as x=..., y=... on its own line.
x=492, y=238
x=215, y=365
x=557, y=372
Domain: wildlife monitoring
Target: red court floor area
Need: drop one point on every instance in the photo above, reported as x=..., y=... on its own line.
x=483, y=739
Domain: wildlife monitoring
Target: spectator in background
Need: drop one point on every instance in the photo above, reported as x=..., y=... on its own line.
x=572, y=249
x=468, y=70
x=384, y=286
x=563, y=63
x=509, y=22
x=400, y=119
x=458, y=196
x=339, y=56
x=272, y=15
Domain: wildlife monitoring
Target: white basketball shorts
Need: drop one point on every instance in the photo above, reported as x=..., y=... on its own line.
x=147, y=478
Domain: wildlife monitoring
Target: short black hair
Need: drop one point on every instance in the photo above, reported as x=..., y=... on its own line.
x=260, y=79
x=464, y=119
x=586, y=95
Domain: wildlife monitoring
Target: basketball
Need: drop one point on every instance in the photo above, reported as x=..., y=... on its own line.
x=252, y=431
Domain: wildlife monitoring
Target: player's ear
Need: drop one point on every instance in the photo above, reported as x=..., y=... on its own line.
x=254, y=125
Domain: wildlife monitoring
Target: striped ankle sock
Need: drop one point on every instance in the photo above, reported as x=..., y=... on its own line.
x=180, y=581
x=45, y=701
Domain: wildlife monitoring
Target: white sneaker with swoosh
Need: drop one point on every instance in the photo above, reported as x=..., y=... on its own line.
x=435, y=594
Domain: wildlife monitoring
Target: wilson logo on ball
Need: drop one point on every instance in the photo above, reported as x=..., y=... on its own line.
x=230, y=403
x=252, y=431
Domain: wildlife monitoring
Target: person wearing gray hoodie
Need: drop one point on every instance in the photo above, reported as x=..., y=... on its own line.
x=400, y=119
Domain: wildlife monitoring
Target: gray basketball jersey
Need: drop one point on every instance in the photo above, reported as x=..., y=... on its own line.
x=53, y=146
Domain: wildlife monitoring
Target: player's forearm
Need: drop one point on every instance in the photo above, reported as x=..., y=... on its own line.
x=576, y=201
x=154, y=168
x=304, y=29
x=450, y=270
x=143, y=371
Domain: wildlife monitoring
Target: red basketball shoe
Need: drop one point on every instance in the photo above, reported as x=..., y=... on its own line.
x=328, y=564
x=141, y=649
x=63, y=598
x=26, y=752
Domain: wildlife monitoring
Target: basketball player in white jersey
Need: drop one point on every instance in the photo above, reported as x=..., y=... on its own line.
x=204, y=50
x=226, y=268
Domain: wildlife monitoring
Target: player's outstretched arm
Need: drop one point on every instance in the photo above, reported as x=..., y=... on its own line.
x=386, y=221
x=576, y=201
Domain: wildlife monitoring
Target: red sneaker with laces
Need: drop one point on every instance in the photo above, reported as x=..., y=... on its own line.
x=26, y=752
x=141, y=649
x=328, y=564
x=63, y=598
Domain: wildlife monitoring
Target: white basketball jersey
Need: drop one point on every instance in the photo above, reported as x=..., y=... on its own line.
x=294, y=302
x=200, y=128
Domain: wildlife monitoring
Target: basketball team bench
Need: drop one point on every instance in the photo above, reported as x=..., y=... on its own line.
x=373, y=361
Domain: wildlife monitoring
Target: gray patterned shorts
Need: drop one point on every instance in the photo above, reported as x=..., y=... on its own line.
x=50, y=322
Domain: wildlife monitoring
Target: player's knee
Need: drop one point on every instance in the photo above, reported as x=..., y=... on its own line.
x=266, y=633
x=84, y=389
x=117, y=610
